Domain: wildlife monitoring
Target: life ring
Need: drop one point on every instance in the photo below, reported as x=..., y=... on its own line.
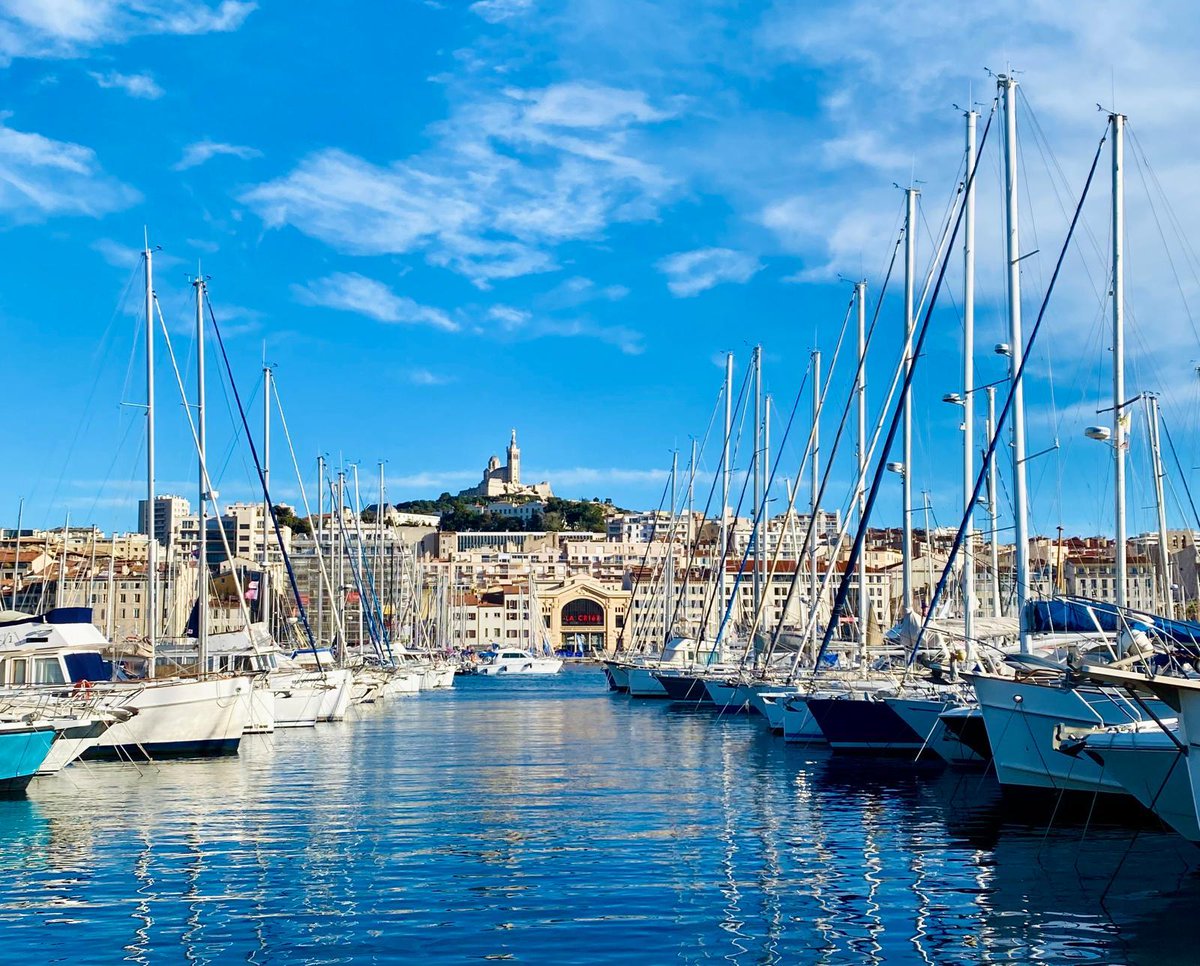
x=84, y=686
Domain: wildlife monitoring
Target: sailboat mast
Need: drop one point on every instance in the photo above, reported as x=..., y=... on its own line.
x=860, y=390
x=815, y=483
x=1120, y=423
x=993, y=506
x=968, y=562
x=202, y=447
x=722, y=576
x=910, y=268
x=152, y=543
x=379, y=588
x=1164, y=552
x=669, y=578
x=1016, y=352
x=264, y=597
x=758, y=482
x=319, y=533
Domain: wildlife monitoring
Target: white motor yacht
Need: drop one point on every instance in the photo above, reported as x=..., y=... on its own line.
x=512, y=660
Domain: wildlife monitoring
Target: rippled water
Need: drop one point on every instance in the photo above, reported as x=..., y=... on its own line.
x=551, y=822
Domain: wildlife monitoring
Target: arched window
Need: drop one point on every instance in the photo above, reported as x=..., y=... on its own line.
x=583, y=613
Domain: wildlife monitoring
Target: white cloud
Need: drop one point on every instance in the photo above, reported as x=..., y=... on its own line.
x=41, y=177
x=511, y=175
x=135, y=85
x=497, y=11
x=690, y=273
x=424, y=377
x=66, y=28
x=202, y=151
x=520, y=323
x=351, y=292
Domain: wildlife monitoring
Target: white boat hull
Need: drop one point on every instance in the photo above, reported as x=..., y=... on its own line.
x=922, y=715
x=1025, y=721
x=175, y=718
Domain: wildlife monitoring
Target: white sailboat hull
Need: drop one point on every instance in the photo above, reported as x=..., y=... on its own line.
x=176, y=718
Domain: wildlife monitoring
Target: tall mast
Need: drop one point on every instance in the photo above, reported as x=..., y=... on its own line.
x=968, y=563
x=152, y=543
x=264, y=598
x=722, y=577
x=319, y=532
x=860, y=390
x=202, y=447
x=340, y=538
x=910, y=268
x=17, y=558
x=993, y=505
x=379, y=589
x=758, y=483
x=358, y=554
x=815, y=483
x=669, y=578
x=1164, y=552
x=1016, y=343
x=766, y=529
x=1120, y=423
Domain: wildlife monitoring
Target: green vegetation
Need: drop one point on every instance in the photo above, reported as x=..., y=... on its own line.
x=287, y=518
x=470, y=514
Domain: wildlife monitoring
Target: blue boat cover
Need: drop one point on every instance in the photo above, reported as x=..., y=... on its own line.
x=1080, y=615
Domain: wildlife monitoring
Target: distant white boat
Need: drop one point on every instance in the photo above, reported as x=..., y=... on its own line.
x=513, y=661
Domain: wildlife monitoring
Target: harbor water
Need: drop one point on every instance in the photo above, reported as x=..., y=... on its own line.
x=549, y=821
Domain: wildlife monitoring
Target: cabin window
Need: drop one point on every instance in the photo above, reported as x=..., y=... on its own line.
x=20, y=671
x=46, y=670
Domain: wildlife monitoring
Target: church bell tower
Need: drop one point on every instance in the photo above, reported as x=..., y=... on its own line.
x=514, y=461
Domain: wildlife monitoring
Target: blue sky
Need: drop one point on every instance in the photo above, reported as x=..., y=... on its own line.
x=446, y=219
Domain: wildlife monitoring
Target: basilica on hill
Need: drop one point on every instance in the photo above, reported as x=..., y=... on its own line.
x=505, y=481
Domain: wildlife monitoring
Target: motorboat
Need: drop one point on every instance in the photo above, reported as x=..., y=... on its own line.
x=511, y=660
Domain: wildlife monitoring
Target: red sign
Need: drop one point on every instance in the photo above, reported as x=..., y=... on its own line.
x=580, y=620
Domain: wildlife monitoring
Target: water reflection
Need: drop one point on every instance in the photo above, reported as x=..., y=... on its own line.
x=516, y=820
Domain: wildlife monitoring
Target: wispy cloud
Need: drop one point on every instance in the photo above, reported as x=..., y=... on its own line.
x=497, y=11
x=424, y=377
x=201, y=151
x=690, y=273
x=351, y=292
x=64, y=28
x=511, y=176
x=41, y=177
x=522, y=324
x=135, y=85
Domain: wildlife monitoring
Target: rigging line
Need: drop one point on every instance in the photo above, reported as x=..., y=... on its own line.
x=1166, y=248
x=631, y=618
x=1181, y=236
x=1182, y=476
x=103, y=347
x=823, y=392
x=642, y=622
x=761, y=511
x=1044, y=146
x=1003, y=415
x=694, y=548
x=208, y=487
x=303, y=611
x=852, y=496
x=908, y=374
x=722, y=557
x=325, y=577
